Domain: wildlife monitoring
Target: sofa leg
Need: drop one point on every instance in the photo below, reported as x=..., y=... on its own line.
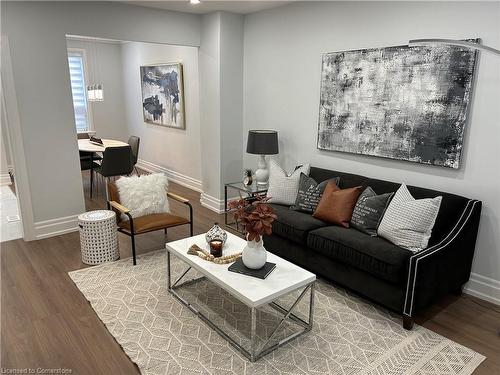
x=407, y=322
x=458, y=292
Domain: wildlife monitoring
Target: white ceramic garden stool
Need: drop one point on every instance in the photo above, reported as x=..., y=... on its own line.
x=98, y=237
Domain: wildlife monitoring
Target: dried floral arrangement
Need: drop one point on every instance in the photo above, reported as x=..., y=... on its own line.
x=255, y=215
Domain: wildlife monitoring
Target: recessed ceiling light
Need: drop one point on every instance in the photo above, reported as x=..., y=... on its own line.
x=194, y=2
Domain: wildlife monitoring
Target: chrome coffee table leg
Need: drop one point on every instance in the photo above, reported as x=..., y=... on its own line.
x=254, y=353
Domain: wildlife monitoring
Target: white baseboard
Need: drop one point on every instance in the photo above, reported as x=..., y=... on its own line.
x=56, y=227
x=5, y=179
x=483, y=287
x=212, y=203
x=178, y=178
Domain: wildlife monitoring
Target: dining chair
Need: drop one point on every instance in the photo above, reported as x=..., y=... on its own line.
x=89, y=165
x=116, y=161
x=134, y=141
x=87, y=160
x=133, y=226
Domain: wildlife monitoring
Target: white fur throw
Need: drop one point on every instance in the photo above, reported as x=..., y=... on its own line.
x=144, y=195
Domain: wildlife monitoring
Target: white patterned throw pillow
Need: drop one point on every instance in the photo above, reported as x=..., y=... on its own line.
x=144, y=195
x=408, y=222
x=283, y=188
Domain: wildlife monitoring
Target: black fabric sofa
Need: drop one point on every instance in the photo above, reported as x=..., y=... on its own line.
x=391, y=276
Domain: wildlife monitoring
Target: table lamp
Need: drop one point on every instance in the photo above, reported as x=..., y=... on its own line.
x=262, y=142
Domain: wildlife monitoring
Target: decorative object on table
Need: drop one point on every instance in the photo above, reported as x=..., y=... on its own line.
x=405, y=103
x=369, y=210
x=310, y=193
x=95, y=140
x=216, y=233
x=216, y=248
x=408, y=222
x=257, y=219
x=247, y=177
x=283, y=187
x=203, y=254
x=144, y=195
x=98, y=237
x=239, y=267
x=163, y=95
x=336, y=205
x=262, y=142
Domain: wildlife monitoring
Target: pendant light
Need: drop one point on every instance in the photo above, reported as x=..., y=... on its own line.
x=95, y=92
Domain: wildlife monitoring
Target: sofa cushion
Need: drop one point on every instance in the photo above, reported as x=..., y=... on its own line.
x=294, y=225
x=374, y=255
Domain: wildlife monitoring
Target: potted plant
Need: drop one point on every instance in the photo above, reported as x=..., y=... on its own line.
x=257, y=218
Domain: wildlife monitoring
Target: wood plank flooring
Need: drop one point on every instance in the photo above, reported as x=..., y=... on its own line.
x=47, y=323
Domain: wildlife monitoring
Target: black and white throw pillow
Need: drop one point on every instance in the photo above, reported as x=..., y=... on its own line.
x=282, y=186
x=310, y=193
x=369, y=211
x=408, y=222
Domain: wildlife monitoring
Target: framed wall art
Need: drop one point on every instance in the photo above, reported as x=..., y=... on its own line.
x=163, y=95
x=405, y=103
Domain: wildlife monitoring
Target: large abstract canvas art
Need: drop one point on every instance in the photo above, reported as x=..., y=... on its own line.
x=163, y=95
x=406, y=103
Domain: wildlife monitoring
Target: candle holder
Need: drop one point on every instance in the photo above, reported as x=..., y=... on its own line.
x=216, y=247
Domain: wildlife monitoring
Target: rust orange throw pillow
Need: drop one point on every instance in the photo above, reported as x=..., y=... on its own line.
x=336, y=205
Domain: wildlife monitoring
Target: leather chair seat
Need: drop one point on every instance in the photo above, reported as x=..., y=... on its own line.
x=152, y=222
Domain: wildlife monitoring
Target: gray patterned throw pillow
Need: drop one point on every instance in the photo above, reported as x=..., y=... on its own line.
x=310, y=193
x=369, y=210
x=408, y=222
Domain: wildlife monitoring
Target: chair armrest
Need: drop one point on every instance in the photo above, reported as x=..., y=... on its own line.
x=119, y=207
x=177, y=198
x=444, y=267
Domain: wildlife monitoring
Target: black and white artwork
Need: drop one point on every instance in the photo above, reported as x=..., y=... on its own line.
x=405, y=103
x=163, y=95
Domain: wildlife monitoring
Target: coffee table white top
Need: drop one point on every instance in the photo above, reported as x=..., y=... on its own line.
x=252, y=291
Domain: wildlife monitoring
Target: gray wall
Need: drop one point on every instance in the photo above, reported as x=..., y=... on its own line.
x=174, y=149
x=221, y=99
x=104, y=66
x=209, y=56
x=283, y=49
x=36, y=33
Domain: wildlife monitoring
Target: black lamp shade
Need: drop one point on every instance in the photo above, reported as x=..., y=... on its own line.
x=262, y=142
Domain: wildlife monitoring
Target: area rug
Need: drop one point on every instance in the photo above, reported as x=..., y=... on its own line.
x=350, y=336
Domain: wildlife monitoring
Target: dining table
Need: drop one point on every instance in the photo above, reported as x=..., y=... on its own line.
x=86, y=145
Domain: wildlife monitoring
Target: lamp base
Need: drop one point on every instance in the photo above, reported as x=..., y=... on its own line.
x=262, y=173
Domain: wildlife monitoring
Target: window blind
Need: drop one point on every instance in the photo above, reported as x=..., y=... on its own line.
x=79, y=90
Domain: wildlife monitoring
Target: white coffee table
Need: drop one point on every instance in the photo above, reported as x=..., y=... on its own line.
x=253, y=292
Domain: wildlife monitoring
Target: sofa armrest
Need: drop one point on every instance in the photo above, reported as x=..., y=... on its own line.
x=444, y=267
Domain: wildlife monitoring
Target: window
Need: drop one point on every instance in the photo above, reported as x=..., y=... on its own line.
x=76, y=61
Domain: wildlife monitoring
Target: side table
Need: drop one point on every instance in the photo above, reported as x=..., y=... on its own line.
x=98, y=237
x=247, y=192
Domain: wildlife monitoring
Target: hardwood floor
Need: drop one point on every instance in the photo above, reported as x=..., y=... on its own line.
x=47, y=323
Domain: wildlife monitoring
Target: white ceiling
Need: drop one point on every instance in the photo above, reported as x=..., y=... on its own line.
x=207, y=6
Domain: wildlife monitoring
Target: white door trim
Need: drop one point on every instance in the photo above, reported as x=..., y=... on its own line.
x=9, y=101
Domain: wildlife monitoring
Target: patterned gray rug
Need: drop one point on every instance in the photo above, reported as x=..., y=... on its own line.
x=350, y=336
